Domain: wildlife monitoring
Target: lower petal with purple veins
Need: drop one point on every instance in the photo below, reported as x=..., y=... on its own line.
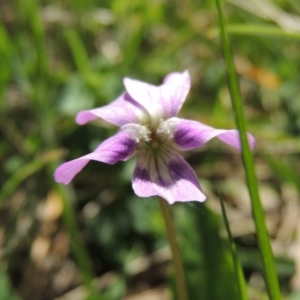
x=166, y=174
x=121, y=146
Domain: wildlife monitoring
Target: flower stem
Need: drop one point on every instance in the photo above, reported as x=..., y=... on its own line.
x=179, y=271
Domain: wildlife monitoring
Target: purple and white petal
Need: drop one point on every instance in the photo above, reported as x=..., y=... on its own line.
x=147, y=95
x=122, y=111
x=164, y=101
x=120, y=146
x=174, y=91
x=189, y=134
x=167, y=174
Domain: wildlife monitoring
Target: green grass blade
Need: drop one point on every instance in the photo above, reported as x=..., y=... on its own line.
x=242, y=287
x=283, y=171
x=41, y=101
x=207, y=258
x=30, y=9
x=257, y=210
x=270, y=31
x=78, y=51
x=80, y=252
x=24, y=172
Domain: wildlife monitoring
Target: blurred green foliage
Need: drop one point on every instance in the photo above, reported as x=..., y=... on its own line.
x=58, y=57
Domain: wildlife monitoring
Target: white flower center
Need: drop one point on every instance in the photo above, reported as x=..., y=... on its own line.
x=165, y=129
x=154, y=136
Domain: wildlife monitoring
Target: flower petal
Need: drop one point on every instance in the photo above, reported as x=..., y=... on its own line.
x=147, y=95
x=164, y=101
x=167, y=174
x=174, y=91
x=191, y=134
x=122, y=111
x=121, y=146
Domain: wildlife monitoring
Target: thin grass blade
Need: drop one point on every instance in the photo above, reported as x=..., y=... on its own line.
x=241, y=283
x=267, y=258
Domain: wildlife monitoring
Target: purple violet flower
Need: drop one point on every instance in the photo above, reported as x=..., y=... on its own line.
x=146, y=115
